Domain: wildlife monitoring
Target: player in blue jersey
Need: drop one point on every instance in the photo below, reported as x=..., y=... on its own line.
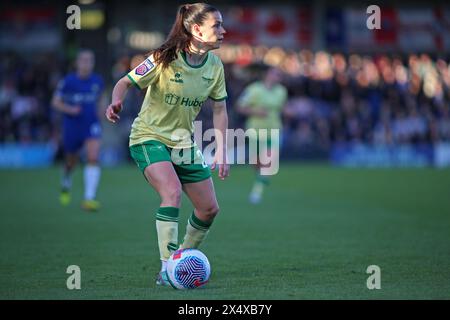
x=77, y=97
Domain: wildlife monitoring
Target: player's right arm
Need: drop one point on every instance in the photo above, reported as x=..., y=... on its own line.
x=118, y=95
x=144, y=75
x=59, y=104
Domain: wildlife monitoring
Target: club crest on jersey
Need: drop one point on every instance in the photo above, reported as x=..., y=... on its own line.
x=144, y=68
x=178, y=77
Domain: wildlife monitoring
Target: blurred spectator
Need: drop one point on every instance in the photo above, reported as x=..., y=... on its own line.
x=25, y=93
x=444, y=125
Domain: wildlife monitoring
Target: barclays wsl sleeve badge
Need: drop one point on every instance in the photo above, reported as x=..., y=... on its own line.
x=144, y=68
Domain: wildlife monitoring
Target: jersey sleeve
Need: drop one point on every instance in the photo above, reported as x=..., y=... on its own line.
x=145, y=74
x=219, y=91
x=61, y=87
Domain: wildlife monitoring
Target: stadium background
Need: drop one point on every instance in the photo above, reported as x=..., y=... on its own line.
x=375, y=101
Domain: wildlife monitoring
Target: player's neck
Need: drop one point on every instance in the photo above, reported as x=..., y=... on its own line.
x=83, y=75
x=195, y=55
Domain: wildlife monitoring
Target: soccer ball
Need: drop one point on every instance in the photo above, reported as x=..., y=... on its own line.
x=188, y=269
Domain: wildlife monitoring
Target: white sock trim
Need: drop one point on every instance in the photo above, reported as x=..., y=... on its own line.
x=91, y=180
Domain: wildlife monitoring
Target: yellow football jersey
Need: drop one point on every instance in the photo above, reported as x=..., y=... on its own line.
x=257, y=96
x=174, y=98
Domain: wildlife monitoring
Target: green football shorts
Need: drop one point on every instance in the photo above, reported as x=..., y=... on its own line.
x=188, y=163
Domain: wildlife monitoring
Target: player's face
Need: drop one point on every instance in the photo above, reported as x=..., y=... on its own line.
x=85, y=62
x=212, y=31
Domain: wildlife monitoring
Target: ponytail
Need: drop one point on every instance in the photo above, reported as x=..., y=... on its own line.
x=180, y=35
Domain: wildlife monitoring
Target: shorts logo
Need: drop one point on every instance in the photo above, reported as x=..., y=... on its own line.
x=95, y=130
x=144, y=68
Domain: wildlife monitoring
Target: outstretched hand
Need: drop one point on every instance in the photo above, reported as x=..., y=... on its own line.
x=224, y=168
x=112, y=112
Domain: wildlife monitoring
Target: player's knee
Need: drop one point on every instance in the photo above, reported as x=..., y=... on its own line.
x=211, y=211
x=92, y=161
x=172, y=195
x=70, y=164
x=92, y=158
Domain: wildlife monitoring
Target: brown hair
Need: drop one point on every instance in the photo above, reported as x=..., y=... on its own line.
x=180, y=35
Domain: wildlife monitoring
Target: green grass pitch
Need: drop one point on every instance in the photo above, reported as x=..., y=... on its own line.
x=313, y=237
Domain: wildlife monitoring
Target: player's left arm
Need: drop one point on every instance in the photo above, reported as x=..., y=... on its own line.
x=220, y=120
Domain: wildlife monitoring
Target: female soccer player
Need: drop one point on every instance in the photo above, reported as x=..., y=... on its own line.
x=262, y=102
x=77, y=97
x=180, y=76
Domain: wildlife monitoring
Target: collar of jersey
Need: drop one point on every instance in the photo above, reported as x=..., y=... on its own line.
x=183, y=54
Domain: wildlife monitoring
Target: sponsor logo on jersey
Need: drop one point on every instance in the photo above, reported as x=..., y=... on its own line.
x=191, y=103
x=173, y=99
x=95, y=87
x=79, y=98
x=144, y=67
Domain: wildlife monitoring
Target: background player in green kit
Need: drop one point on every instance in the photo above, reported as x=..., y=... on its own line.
x=262, y=102
x=180, y=76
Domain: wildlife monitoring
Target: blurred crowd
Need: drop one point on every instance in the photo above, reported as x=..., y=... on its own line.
x=26, y=88
x=377, y=99
x=333, y=98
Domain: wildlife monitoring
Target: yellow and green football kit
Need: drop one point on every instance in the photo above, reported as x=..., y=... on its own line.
x=175, y=96
x=258, y=96
x=164, y=127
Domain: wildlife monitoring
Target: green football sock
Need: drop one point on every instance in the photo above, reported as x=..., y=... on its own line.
x=196, y=232
x=259, y=184
x=167, y=230
x=262, y=179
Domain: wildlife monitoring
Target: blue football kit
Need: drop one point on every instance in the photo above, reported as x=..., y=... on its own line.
x=85, y=93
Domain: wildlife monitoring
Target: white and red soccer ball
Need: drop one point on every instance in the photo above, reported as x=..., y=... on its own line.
x=188, y=269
